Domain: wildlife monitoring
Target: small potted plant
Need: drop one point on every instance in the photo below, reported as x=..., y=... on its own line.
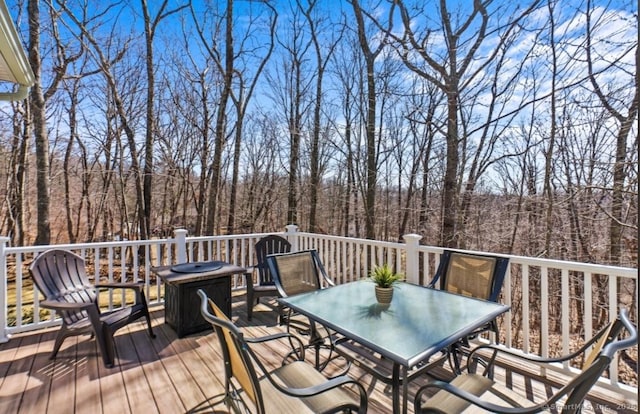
x=384, y=277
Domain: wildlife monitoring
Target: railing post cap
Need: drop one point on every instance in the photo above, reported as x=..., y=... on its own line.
x=178, y=232
x=412, y=237
x=291, y=228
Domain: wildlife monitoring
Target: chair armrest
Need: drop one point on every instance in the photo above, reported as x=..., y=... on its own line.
x=65, y=306
x=120, y=285
x=272, y=337
x=496, y=349
x=291, y=337
x=320, y=388
x=465, y=395
x=136, y=287
x=248, y=276
x=306, y=370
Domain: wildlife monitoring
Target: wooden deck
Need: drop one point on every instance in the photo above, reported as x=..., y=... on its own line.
x=166, y=374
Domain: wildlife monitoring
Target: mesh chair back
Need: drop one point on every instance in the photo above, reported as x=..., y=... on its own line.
x=476, y=275
x=470, y=275
x=60, y=275
x=606, y=343
x=267, y=245
x=237, y=362
x=296, y=273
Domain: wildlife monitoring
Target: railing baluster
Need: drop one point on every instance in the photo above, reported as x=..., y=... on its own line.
x=544, y=311
x=565, y=298
x=526, y=325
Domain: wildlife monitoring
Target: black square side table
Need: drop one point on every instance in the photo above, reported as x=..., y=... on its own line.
x=181, y=301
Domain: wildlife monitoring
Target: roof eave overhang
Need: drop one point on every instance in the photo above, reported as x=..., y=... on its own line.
x=14, y=65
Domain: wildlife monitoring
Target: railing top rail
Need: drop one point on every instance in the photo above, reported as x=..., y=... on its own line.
x=378, y=243
x=627, y=272
x=231, y=236
x=80, y=246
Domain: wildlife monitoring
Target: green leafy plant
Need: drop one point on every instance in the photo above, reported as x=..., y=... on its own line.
x=384, y=276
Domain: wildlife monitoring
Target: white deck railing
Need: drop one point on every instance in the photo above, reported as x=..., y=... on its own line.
x=552, y=301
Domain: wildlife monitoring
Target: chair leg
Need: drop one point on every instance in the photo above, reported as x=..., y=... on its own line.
x=249, y=305
x=104, y=337
x=141, y=298
x=60, y=337
x=148, y=317
x=109, y=346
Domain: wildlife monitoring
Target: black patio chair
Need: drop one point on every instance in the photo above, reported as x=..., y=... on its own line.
x=295, y=387
x=475, y=275
x=295, y=273
x=471, y=392
x=265, y=285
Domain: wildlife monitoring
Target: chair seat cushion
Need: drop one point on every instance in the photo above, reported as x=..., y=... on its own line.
x=300, y=374
x=481, y=387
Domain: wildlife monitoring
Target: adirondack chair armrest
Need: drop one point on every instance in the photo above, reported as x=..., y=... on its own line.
x=248, y=273
x=137, y=287
x=65, y=306
x=121, y=285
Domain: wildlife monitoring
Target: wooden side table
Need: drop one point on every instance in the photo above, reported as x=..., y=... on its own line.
x=181, y=301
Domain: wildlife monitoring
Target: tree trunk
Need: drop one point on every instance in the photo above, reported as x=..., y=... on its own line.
x=38, y=116
x=221, y=124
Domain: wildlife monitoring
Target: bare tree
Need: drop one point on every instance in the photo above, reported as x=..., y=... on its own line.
x=125, y=103
x=248, y=77
x=224, y=61
x=626, y=121
x=348, y=72
x=289, y=83
x=39, y=96
x=370, y=55
x=16, y=162
x=324, y=49
x=451, y=70
x=150, y=29
x=38, y=112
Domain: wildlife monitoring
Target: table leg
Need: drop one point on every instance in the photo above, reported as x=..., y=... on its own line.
x=395, y=388
x=405, y=390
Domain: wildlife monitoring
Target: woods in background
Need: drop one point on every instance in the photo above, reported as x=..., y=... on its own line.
x=484, y=125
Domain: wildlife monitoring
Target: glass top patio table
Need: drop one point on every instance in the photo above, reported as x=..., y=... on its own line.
x=418, y=323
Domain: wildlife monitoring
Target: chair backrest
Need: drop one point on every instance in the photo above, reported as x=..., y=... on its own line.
x=475, y=275
x=237, y=361
x=272, y=244
x=297, y=272
x=60, y=275
x=604, y=345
